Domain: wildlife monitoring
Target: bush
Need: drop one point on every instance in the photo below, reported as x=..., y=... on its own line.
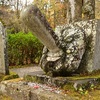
x=23, y=49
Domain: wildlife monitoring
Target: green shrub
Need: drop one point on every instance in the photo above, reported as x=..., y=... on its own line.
x=23, y=49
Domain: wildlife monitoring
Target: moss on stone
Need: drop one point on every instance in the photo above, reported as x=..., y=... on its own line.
x=83, y=77
x=30, y=78
x=94, y=74
x=68, y=87
x=5, y=97
x=1, y=77
x=12, y=75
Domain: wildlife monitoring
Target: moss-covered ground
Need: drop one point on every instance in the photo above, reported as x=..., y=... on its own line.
x=91, y=95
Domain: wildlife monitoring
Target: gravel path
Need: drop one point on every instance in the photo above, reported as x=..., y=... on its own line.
x=23, y=71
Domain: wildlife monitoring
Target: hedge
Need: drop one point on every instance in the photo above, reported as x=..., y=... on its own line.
x=23, y=49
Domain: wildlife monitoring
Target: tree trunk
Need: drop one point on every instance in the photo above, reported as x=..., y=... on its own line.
x=74, y=12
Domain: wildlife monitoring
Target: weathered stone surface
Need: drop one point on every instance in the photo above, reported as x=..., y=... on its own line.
x=3, y=60
x=37, y=23
x=78, y=41
x=89, y=27
x=96, y=65
x=73, y=46
x=15, y=90
x=59, y=81
x=20, y=90
x=69, y=49
x=76, y=81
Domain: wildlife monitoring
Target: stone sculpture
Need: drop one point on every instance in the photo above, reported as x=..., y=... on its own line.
x=69, y=49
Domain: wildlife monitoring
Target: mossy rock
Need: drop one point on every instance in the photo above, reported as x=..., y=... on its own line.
x=30, y=78
x=12, y=75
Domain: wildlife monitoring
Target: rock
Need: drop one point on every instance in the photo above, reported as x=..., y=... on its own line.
x=78, y=43
x=21, y=91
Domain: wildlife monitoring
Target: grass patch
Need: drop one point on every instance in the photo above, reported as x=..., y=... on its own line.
x=11, y=76
x=1, y=77
x=91, y=95
x=83, y=77
x=8, y=77
x=94, y=74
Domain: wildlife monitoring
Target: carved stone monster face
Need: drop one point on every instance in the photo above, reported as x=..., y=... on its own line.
x=72, y=39
x=64, y=48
